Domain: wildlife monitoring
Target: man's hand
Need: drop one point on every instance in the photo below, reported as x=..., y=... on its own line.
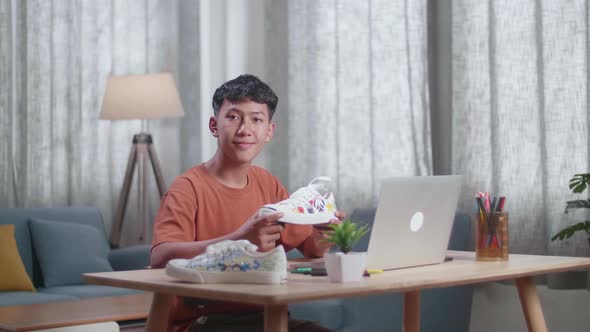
x=262, y=231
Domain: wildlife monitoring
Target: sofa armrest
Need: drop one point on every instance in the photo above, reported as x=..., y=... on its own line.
x=461, y=237
x=294, y=254
x=130, y=258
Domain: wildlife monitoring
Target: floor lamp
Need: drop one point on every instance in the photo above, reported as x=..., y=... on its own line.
x=139, y=97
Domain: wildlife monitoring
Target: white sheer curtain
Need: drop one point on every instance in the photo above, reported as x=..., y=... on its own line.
x=520, y=111
x=356, y=95
x=55, y=57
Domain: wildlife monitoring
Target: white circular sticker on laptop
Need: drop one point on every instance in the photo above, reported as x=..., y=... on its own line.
x=417, y=221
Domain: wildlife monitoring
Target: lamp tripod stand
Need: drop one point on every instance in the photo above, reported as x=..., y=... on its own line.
x=141, y=149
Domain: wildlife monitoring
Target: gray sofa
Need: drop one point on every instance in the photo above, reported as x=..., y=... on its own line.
x=445, y=309
x=56, y=245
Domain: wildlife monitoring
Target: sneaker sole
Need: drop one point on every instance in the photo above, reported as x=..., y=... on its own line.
x=307, y=219
x=227, y=277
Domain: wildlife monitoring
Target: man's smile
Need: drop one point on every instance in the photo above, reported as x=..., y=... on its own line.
x=243, y=145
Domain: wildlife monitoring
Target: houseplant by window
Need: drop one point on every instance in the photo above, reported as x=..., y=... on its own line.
x=575, y=279
x=578, y=184
x=344, y=265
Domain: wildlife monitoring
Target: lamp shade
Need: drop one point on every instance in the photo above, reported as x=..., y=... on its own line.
x=141, y=97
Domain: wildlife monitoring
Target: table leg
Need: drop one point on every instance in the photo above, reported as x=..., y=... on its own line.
x=158, y=317
x=412, y=311
x=276, y=318
x=531, y=306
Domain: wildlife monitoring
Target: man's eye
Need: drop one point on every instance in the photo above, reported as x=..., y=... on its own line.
x=258, y=120
x=233, y=117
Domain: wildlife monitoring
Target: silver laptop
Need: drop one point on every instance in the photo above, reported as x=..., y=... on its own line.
x=413, y=221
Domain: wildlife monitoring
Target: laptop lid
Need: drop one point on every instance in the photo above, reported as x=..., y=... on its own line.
x=413, y=221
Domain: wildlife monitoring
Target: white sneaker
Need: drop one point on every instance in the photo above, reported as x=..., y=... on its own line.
x=232, y=262
x=306, y=205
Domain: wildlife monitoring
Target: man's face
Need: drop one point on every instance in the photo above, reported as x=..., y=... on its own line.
x=242, y=129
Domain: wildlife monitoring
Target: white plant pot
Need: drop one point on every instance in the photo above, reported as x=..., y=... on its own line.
x=345, y=267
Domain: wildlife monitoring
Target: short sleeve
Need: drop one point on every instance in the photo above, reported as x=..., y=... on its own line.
x=175, y=220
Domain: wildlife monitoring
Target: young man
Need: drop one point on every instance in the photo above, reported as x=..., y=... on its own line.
x=219, y=200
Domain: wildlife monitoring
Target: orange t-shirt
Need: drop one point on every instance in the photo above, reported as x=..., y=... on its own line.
x=197, y=207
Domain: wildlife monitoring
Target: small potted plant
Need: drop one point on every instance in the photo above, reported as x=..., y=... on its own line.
x=573, y=279
x=344, y=265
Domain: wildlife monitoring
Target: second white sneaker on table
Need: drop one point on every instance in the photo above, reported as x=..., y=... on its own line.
x=232, y=262
x=309, y=205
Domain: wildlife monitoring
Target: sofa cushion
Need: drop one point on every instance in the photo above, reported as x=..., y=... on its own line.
x=21, y=235
x=383, y=312
x=87, y=215
x=66, y=250
x=88, y=291
x=14, y=276
x=130, y=258
x=457, y=303
x=8, y=299
x=461, y=235
x=363, y=217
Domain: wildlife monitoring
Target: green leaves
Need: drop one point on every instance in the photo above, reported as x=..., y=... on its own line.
x=346, y=234
x=568, y=232
x=580, y=182
x=577, y=204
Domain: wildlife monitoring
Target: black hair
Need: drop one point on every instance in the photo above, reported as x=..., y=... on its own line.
x=245, y=87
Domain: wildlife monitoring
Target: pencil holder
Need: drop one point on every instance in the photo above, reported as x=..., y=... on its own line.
x=491, y=236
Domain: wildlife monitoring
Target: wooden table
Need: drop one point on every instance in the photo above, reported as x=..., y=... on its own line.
x=49, y=315
x=462, y=270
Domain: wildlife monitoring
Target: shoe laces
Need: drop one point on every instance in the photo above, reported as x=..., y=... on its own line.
x=305, y=194
x=320, y=183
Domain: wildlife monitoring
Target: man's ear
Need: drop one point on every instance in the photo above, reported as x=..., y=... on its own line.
x=271, y=132
x=213, y=126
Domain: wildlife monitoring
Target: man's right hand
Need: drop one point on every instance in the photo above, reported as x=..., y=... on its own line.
x=262, y=231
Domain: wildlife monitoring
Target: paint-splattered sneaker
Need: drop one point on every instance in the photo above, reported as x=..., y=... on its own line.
x=232, y=262
x=308, y=205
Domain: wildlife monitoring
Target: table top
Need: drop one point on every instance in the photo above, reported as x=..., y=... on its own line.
x=462, y=270
x=68, y=313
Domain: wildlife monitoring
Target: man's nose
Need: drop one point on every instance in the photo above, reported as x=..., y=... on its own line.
x=245, y=128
